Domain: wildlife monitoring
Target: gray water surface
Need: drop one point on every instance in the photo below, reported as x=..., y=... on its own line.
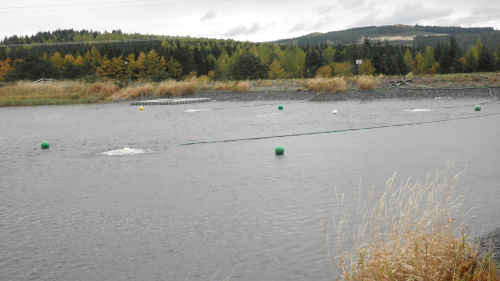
x=177, y=212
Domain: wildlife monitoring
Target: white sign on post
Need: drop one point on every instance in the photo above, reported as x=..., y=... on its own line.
x=358, y=61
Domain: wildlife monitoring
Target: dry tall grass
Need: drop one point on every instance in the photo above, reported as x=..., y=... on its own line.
x=368, y=82
x=331, y=85
x=410, y=234
x=25, y=93
x=133, y=92
x=177, y=89
x=243, y=86
x=225, y=86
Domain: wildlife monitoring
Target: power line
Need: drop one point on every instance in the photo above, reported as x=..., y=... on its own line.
x=120, y=7
x=80, y=4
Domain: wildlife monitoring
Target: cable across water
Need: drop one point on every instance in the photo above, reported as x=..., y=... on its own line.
x=358, y=129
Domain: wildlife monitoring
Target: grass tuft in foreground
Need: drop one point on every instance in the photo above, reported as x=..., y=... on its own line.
x=410, y=233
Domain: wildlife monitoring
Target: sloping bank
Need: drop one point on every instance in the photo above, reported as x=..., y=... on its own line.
x=365, y=95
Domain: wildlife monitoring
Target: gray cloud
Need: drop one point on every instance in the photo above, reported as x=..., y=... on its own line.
x=490, y=6
x=355, y=5
x=411, y=13
x=407, y=14
x=243, y=30
x=323, y=9
x=208, y=16
x=297, y=27
x=326, y=21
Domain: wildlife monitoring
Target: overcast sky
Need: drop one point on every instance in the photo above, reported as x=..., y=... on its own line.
x=244, y=20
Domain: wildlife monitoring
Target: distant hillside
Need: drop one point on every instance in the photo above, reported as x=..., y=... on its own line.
x=70, y=35
x=401, y=35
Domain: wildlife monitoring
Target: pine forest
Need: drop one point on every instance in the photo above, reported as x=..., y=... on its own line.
x=89, y=55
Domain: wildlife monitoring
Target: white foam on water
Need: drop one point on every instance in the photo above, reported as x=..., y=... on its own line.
x=195, y=110
x=126, y=151
x=262, y=115
x=418, y=110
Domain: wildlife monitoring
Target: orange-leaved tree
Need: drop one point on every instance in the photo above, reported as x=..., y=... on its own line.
x=5, y=67
x=324, y=72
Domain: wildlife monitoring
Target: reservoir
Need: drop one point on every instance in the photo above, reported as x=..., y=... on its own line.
x=193, y=191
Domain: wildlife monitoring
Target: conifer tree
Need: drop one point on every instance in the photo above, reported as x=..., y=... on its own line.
x=130, y=73
x=276, y=71
x=95, y=58
x=313, y=62
x=174, y=69
x=118, y=68
x=418, y=65
x=401, y=63
x=470, y=62
x=248, y=66
x=152, y=63
x=140, y=65
x=408, y=60
x=485, y=60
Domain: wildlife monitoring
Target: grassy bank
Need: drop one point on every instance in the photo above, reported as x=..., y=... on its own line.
x=74, y=92
x=408, y=233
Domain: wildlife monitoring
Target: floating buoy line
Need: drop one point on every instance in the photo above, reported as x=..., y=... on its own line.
x=343, y=130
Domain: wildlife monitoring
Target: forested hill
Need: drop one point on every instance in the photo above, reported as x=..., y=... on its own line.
x=70, y=35
x=90, y=55
x=400, y=35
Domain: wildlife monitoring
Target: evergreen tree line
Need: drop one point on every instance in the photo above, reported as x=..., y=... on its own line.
x=231, y=60
x=70, y=35
x=424, y=34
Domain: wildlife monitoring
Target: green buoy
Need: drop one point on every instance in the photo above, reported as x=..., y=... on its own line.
x=45, y=144
x=280, y=107
x=478, y=108
x=279, y=149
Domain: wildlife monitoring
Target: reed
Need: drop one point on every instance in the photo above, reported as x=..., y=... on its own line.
x=367, y=82
x=225, y=86
x=410, y=233
x=70, y=92
x=177, y=88
x=243, y=86
x=134, y=92
x=331, y=85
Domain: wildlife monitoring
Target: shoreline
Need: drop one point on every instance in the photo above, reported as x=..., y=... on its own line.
x=362, y=95
x=490, y=242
